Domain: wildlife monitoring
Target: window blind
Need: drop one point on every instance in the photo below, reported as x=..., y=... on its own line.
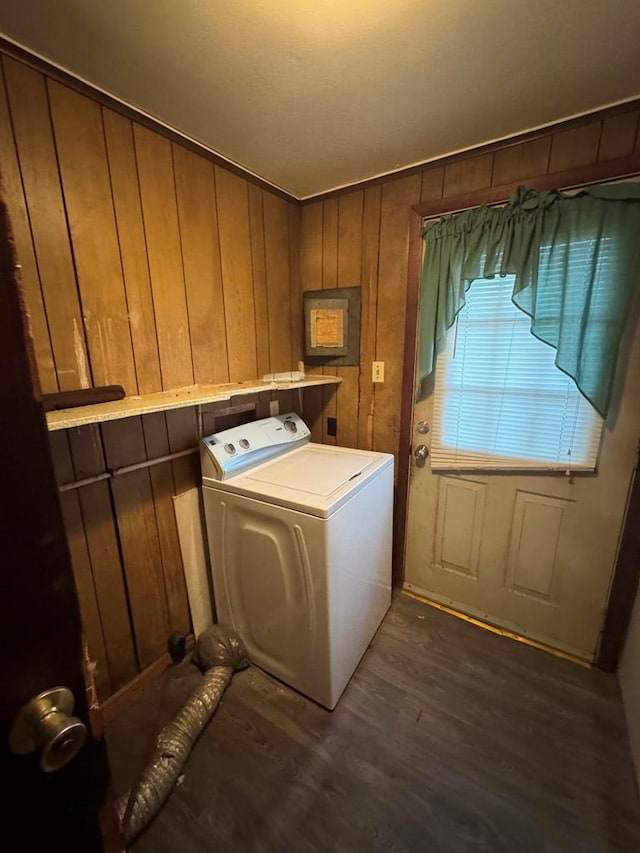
x=500, y=402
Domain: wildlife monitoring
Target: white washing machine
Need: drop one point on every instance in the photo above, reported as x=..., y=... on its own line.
x=300, y=545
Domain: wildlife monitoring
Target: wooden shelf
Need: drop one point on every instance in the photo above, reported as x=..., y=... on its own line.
x=194, y=395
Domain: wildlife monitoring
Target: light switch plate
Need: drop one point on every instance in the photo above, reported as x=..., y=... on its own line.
x=377, y=371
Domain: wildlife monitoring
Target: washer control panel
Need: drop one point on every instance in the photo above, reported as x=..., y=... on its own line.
x=233, y=451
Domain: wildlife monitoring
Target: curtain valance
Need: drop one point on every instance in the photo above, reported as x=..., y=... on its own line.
x=576, y=261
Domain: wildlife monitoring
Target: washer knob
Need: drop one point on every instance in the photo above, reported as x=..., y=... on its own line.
x=291, y=426
x=244, y=444
x=230, y=448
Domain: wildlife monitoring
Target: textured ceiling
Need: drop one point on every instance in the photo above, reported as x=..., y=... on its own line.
x=315, y=95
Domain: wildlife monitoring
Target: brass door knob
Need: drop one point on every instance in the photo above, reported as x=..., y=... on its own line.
x=421, y=452
x=45, y=723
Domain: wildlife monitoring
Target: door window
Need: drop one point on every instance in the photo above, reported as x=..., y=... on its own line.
x=500, y=402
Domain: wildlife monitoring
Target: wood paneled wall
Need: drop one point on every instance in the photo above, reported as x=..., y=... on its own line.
x=144, y=265
x=362, y=237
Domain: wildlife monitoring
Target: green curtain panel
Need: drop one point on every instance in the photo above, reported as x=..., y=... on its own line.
x=576, y=261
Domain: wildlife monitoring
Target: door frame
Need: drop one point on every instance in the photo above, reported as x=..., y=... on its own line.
x=626, y=571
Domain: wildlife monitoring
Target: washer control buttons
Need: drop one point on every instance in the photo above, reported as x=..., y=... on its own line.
x=291, y=426
x=244, y=444
x=230, y=448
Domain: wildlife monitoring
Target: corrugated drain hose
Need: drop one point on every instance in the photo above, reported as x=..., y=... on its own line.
x=219, y=652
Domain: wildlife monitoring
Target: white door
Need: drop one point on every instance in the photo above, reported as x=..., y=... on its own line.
x=531, y=553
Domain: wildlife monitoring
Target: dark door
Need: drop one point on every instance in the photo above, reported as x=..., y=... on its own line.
x=40, y=629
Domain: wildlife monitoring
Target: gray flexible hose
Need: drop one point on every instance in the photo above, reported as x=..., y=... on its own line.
x=220, y=652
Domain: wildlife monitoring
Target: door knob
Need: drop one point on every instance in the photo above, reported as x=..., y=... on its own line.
x=422, y=427
x=45, y=723
x=421, y=452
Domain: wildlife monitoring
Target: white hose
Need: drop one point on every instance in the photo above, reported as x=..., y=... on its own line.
x=220, y=652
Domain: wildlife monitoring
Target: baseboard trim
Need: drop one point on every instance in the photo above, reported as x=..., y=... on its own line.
x=116, y=704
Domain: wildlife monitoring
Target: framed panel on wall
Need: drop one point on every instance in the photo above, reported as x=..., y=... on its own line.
x=332, y=326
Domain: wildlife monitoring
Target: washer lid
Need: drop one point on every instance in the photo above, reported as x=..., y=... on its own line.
x=314, y=471
x=315, y=479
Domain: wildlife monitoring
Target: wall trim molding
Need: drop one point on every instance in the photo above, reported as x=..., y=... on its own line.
x=90, y=90
x=487, y=148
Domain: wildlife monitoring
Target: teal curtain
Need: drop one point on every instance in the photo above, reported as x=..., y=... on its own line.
x=576, y=261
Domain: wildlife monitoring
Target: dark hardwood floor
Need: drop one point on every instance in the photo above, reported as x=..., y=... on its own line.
x=448, y=738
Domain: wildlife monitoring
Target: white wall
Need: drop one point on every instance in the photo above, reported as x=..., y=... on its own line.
x=629, y=674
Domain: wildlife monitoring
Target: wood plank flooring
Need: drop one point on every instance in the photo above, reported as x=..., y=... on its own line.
x=448, y=738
